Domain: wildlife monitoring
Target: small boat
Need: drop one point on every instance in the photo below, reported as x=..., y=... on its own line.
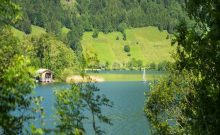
x=144, y=76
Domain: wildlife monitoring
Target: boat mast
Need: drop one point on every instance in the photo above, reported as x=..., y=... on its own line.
x=144, y=75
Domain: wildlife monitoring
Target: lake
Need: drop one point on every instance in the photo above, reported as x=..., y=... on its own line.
x=127, y=113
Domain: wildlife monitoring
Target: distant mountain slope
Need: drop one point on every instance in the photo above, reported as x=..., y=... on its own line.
x=147, y=44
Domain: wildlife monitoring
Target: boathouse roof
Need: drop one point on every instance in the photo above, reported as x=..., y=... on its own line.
x=40, y=71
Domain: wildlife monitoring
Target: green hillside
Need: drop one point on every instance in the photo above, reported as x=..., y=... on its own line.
x=36, y=31
x=147, y=44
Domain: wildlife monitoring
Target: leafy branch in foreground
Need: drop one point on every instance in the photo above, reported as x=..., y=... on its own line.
x=94, y=103
x=167, y=103
x=71, y=106
x=16, y=84
x=192, y=94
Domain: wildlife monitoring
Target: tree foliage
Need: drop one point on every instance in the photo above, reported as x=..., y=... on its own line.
x=48, y=52
x=9, y=12
x=105, y=15
x=127, y=48
x=191, y=93
x=71, y=104
x=14, y=67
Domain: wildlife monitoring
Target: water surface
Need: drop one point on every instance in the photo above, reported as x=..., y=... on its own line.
x=127, y=113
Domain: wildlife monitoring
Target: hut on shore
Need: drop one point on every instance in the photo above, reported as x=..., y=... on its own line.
x=44, y=75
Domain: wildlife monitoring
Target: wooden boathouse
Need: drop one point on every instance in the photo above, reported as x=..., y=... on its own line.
x=44, y=75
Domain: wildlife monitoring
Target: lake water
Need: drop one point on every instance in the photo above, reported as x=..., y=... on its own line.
x=155, y=72
x=127, y=113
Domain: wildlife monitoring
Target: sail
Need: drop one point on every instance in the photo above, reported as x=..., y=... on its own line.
x=144, y=76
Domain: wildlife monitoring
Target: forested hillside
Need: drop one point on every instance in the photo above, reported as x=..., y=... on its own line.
x=96, y=15
x=104, y=15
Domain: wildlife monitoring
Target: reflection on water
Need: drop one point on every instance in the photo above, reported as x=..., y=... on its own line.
x=127, y=113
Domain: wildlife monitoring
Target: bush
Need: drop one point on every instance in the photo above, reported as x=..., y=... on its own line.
x=107, y=65
x=134, y=64
x=124, y=36
x=163, y=66
x=127, y=48
x=122, y=27
x=67, y=72
x=117, y=38
x=152, y=65
x=116, y=65
x=129, y=54
x=95, y=34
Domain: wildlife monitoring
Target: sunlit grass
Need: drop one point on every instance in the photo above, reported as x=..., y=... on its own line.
x=147, y=44
x=37, y=31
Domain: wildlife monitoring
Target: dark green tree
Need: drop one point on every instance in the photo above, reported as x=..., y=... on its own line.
x=9, y=12
x=24, y=24
x=95, y=34
x=124, y=36
x=190, y=96
x=127, y=48
x=74, y=37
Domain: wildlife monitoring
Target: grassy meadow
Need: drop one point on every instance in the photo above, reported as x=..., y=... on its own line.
x=147, y=44
x=36, y=31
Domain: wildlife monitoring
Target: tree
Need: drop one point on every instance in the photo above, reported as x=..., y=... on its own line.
x=152, y=65
x=92, y=60
x=121, y=27
x=162, y=66
x=74, y=37
x=117, y=38
x=15, y=67
x=139, y=64
x=166, y=102
x=124, y=36
x=69, y=109
x=24, y=24
x=95, y=34
x=127, y=48
x=70, y=105
x=52, y=54
x=9, y=12
x=107, y=65
x=190, y=96
x=94, y=103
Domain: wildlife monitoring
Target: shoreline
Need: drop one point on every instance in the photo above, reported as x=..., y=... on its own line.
x=78, y=79
x=113, y=77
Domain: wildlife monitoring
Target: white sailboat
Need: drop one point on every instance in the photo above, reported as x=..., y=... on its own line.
x=144, y=75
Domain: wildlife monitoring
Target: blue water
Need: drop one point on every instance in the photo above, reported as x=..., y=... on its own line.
x=127, y=113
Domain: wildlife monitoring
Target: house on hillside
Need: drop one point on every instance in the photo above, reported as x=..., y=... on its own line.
x=44, y=75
